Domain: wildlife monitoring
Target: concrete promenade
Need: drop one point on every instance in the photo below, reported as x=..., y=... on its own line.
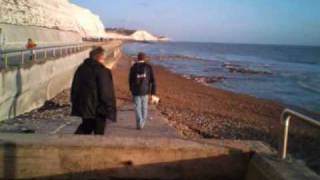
x=57, y=121
x=156, y=124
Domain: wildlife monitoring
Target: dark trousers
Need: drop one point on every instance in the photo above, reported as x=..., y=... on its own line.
x=88, y=126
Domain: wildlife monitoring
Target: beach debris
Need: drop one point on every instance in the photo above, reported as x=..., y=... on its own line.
x=177, y=57
x=205, y=79
x=27, y=130
x=235, y=68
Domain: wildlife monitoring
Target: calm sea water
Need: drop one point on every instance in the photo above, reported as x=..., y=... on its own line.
x=293, y=76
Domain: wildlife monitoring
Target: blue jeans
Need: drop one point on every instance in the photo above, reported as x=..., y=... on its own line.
x=141, y=108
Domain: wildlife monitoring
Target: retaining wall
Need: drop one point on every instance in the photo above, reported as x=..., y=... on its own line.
x=25, y=89
x=53, y=157
x=35, y=156
x=15, y=36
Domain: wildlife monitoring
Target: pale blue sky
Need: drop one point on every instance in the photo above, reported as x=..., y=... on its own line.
x=238, y=21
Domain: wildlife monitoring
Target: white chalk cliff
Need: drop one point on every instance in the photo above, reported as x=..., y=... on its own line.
x=143, y=36
x=53, y=14
x=138, y=35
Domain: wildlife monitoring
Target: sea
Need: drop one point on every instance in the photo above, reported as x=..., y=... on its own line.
x=286, y=74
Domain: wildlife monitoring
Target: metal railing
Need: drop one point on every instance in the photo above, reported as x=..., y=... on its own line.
x=286, y=116
x=18, y=57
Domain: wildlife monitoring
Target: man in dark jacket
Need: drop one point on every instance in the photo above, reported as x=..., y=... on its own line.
x=92, y=94
x=142, y=84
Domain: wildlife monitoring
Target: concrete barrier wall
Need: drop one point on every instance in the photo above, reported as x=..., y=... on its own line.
x=53, y=157
x=28, y=156
x=15, y=36
x=24, y=89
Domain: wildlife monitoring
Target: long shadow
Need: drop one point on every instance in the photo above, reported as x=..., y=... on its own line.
x=9, y=160
x=13, y=108
x=220, y=167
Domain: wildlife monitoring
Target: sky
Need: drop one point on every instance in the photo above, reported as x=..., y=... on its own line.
x=294, y=22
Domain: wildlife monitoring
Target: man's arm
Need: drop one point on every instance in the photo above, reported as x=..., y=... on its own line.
x=106, y=95
x=73, y=87
x=152, y=82
x=131, y=79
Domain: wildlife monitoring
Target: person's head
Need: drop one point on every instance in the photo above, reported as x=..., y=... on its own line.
x=141, y=56
x=30, y=40
x=98, y=54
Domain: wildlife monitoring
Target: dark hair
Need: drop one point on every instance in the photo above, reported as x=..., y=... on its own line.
x=141, y=56
x=96, y=51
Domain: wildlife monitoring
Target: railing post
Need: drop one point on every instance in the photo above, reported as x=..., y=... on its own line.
x=34, y=54
x=285, y=119
x=45, y=54
x=54, y=52
x=1, y=56
x=22, y=58
x=284, y=146
x=6, y=61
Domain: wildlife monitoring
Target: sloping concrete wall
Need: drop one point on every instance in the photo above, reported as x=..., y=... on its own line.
x=29, y=156
x=16, y=36
x=24, y=89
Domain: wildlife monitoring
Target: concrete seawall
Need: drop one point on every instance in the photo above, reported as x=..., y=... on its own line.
x=15, y=36
x=52, y=157
x=24, y=89
x=96, y=157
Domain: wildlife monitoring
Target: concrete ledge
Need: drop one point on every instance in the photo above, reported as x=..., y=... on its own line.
x=85, y=157
x=112, y=157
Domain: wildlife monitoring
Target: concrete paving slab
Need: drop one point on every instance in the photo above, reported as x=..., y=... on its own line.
x=156, y=125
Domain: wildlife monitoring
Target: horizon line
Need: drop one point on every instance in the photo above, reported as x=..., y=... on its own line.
x=245, y=43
